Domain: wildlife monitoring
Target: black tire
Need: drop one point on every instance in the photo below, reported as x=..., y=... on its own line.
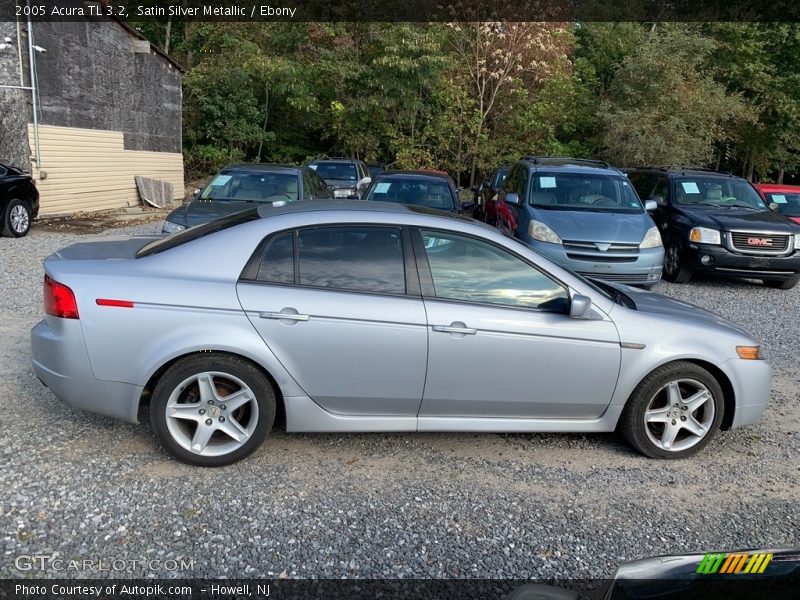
x=785, y=284
x=13, y=227
x=632, y=422
x=246, y=372
x=674, y=271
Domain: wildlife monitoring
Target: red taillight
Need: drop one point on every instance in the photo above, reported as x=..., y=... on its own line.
x=59, y=300
x=116, y=303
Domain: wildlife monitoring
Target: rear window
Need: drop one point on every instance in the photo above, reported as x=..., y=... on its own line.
x=335, y=170
x=193, y=233
x=430, y=193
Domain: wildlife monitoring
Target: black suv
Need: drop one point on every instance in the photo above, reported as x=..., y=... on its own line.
x=348, y=178
x=19, y=201
x=716, y=222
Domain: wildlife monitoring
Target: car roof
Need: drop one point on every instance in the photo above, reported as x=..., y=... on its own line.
x=355, y=206
x=267, y=167
x=684, y=170
x=437, y=175
x=334, y=160
x=567, y=164
x=776, y=187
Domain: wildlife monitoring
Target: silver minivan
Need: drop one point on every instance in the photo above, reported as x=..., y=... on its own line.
x=583, y=215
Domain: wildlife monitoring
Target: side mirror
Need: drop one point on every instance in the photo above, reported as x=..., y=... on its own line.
x=365, y=181
x=196, y=193
x=468, y=206
x=579, y=306
x=512, y=199
x=774, y=207
x=650, y=205
x=659, y=200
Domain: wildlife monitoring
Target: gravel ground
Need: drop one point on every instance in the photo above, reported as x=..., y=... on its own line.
x=401, y=505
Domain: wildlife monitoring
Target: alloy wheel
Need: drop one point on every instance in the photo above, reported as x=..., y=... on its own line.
x=679, y=415
x=212, y=413
x=20, y=219
x=671, y=259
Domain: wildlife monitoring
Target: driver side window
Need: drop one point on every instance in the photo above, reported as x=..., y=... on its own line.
x=470, y=270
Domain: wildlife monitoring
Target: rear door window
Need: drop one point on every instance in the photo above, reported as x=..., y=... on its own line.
x=352, y=258
x=277, y=264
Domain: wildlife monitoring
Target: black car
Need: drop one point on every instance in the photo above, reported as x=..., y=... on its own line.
x=19, y=201
x=485, y=194
x=348, y=177
x=716, y=222
x=430, y=189
x=238, y=187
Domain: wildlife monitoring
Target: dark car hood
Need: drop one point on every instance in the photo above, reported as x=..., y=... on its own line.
x=623, y=228
x=727, y=219
x=203, y=211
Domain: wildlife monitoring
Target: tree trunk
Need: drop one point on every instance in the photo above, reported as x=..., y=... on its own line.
x=264, y=126
x=167, y=35
x=780, y=176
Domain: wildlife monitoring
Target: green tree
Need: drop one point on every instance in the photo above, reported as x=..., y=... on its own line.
x=664, y=106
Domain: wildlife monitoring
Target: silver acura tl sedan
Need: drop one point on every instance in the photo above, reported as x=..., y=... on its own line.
x=352, y=316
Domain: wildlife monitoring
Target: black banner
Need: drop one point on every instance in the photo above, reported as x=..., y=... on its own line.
x=403, y=10
x=701, y=588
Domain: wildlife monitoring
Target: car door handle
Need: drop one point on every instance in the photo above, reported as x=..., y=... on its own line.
x=455, y=328
x=282, y=316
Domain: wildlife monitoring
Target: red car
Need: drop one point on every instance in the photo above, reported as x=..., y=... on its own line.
x=786, y=197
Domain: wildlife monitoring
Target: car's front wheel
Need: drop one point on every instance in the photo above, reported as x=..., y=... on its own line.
x=783, y=284
x=17, y=219
x=674, y=271
x=674, y=411
x=212, y=409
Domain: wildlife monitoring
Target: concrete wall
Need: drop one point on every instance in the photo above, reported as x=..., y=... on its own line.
x=92, y=77
x=15, y=112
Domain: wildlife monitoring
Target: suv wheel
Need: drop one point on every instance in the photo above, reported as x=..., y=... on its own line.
x=674, y=411
x=673, y=270
x=784, y=284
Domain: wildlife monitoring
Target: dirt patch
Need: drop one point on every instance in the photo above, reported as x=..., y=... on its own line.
x=86, y=223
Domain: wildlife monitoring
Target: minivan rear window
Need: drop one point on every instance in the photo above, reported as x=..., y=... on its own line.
x=198, y=231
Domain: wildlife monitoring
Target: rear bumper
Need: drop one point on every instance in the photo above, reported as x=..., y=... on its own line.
x=723, y=261
x=644, y=269
x=60, y=361
x=752, y=381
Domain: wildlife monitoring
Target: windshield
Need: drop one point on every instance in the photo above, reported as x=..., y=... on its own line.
x=717, y=191
x=429, y=193
x=576, y=191
x=251, y=186
x=788, y=202
x=335, y=170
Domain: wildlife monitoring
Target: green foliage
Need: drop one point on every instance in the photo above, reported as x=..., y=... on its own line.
x=467, y=97
x=663, y=106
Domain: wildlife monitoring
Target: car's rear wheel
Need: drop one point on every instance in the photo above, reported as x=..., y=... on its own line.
x=212, y=409
x=17, y=218
x=673, y=270
x=783, y=284
x=674, y=412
